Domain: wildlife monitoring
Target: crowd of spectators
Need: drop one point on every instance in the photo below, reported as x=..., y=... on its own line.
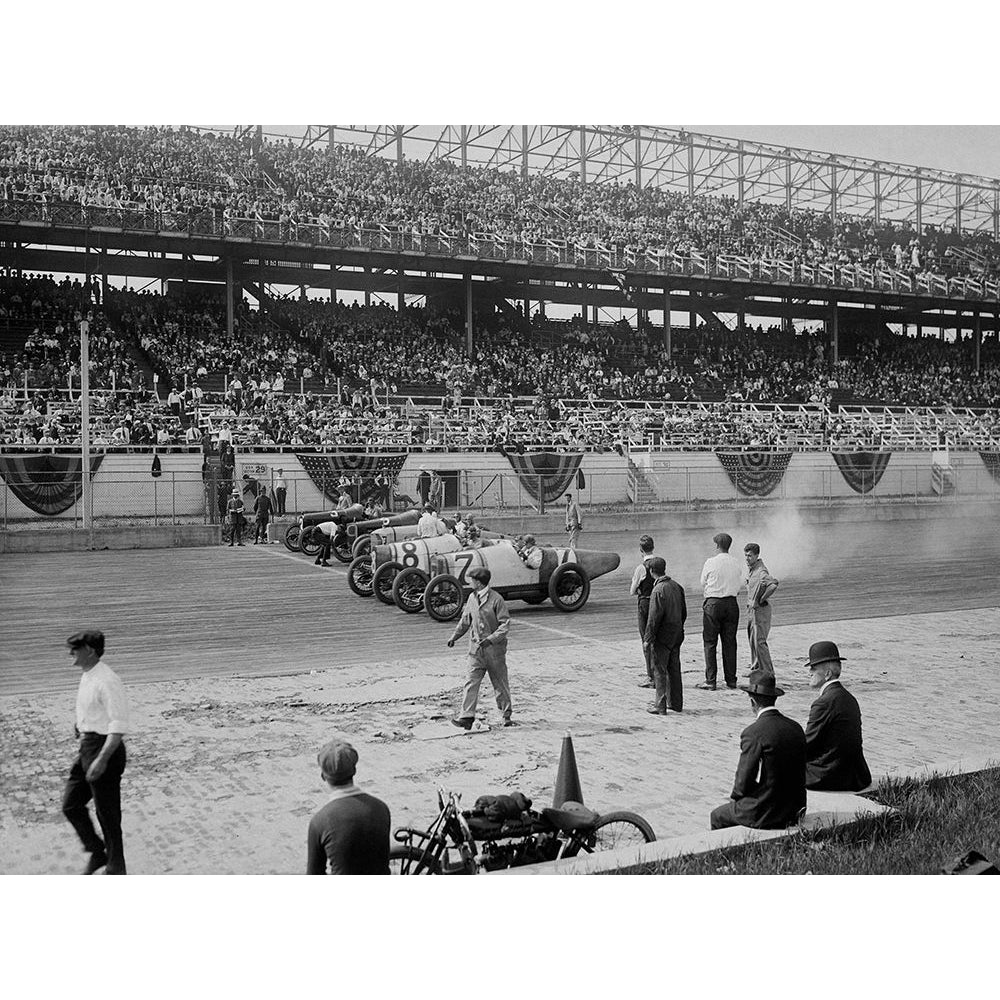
x=186, y=174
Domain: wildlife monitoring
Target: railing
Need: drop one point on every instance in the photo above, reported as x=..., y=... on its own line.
x=487, y=246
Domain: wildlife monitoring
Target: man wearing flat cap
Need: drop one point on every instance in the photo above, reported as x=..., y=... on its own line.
x=835, y=761
x=350, y=834
x=770, y=787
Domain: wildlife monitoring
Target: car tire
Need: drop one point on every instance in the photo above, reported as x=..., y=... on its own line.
x=292, y=538
x=308, y=545
x=569, y=587
x=359, y=576
x=536, y=599
x=362, y=546
x=383, y=579
x=408, y=590
x=341, y=548
x=444, y=598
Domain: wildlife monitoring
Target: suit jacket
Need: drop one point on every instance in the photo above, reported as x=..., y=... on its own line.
x=835, y=761
x=770, y=787
x=667, y=614
x=351, y=836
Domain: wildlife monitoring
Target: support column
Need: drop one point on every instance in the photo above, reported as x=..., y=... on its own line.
x=786, y=320
x=834, y=334
x=88, y=486
x=977, y=332
x=667, y=338
x=400, y=294
x=692, y=315
x=468, y=315
x=229, y=299
x=368, y=291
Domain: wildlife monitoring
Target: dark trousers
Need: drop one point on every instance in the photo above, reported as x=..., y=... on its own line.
x=237, y=530
x=260, y=532
x=106, y=793
x=724, y=816
x=279, y=500
x=720, y=616
x=667, y=677
x=643, y=618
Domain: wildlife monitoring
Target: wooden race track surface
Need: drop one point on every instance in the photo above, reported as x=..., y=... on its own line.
x=182, y=613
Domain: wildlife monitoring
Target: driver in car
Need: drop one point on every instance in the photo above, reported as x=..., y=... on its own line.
x=530, y=553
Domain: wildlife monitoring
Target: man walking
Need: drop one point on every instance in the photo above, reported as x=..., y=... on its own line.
x=770, y=787
x=663, y=637
x=280, y=492
x=721, y=578
x=835, y=760
x=760, y=586
x=574, y=521
x=102, y=720
x=486, y=614
x=350, y=834
x=641, y=587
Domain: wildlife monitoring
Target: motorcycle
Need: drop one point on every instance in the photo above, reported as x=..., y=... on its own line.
x=469, y=843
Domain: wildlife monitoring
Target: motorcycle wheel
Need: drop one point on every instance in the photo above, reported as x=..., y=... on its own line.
x=405, y=860
x=620, y=829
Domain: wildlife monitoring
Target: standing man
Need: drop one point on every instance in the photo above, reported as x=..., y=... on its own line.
x=721, y=578
x=350, y=834
x=574, y=521
x=262, y=508
x=102, y=720
x=641, y=587
x=760, y=586
x=486, y=614
x=663, y=636
x=835, y=760
x=280, y=492
x=423, y=485
x=430, y=525
x=234, y=511
x=770, y=788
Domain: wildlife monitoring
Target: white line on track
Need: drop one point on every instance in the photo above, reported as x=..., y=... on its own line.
x=304, y=562
x=563, y=632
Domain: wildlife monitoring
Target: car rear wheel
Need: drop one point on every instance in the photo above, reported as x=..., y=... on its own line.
x=569, y=587
x=342, y=547
x=383, y=579
x=443, y=598
x=309, y=543
x=362, y=546
x=359, y=576
x=408, y=590
x=292, y=538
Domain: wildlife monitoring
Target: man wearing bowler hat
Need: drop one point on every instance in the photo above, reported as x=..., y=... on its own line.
x=350, y=834
x=770, y=788
x=835, y=761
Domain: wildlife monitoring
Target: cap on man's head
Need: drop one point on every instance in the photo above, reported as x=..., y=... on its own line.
x=92, y=637
x=338, y=761
x=823, y=652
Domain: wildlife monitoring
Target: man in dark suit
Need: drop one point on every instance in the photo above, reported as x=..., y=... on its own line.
x=835, y=761
x=662, y=638
x=770, y=788
x=350, y=834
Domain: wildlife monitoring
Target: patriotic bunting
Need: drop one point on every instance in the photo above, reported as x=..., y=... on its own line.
x=325, y=470
x=47, y=484
x=862, y=470
x=755, y=473
x=545, y=472
x=991, y=459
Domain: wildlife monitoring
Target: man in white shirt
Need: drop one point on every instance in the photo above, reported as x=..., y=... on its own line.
x=430, y=525
x=721, y=577
x=102, y=720
x=280, y=492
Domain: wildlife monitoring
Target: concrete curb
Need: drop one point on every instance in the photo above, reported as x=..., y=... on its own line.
x=81, y=540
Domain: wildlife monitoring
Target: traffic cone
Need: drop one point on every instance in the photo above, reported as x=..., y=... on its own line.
x=568, y=778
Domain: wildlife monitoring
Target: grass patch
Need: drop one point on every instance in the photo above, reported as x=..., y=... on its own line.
x=937, y=819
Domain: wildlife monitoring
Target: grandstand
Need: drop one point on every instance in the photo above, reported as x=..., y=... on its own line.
x=878, y=283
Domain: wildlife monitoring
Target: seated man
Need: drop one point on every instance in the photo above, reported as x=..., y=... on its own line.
x=770, y=787
x=530, y=553
x=835, y=761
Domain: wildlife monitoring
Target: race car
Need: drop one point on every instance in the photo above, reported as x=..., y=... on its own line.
x=563, y=577
x=304, y=539
x=374, y=572
x=359, y=532
x=387, y=535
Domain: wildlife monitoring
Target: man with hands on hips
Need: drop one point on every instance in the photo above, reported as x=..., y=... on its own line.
x=486, y=614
